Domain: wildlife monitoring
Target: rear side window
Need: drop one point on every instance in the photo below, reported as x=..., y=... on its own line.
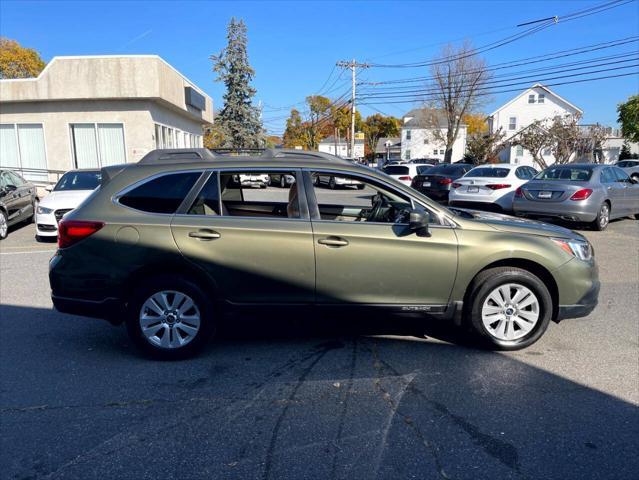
x=162, y=194
x=491, y=172
x=569, y=174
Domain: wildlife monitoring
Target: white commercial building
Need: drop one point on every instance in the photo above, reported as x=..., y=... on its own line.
x=421, y=133
x=536, y=103
x=93, y=111
x=340, y=147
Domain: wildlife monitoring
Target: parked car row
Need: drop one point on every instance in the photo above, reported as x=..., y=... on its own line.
x=18, y=201
x=587, y=193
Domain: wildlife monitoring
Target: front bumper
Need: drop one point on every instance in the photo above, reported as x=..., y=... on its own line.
x=584, y=306
x=46, y=225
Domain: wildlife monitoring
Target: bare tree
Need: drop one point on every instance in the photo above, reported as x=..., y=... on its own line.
x=590, y=145
x=484, y=147
x=565, y=137
x=458, y=87
x=535, y=138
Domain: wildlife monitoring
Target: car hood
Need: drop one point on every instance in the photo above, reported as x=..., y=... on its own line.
x=508, y=223
x=65, y=199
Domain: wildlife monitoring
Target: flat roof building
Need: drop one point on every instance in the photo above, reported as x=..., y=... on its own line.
x=93, y=111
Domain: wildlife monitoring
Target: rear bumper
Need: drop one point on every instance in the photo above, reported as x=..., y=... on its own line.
x=110, y=309
x=575, y=212
x=584, y=306
x=491, y=206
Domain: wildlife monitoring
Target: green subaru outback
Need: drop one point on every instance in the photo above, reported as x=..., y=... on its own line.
x=166, y=244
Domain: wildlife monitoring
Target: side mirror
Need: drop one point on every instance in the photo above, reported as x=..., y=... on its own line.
x=49, y=188
x=418, y=222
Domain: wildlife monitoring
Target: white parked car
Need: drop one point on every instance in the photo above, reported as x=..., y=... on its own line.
x=405, y=172
x=68, y=193
x=260, y=180
x=490, y=186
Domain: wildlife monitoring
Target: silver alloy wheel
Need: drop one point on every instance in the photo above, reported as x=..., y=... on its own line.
x=510, y=312
x=604, y=215
x=169, y=319
x=3, y=225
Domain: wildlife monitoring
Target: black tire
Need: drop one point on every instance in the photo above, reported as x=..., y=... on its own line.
x=484, y=284
x=201, y=301
x=603, y=218
x=4, y=231
x=331, y=183
x=32, y=219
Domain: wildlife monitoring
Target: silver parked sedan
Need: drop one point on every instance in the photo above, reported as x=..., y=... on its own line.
x=631, y=167
x=579, y=192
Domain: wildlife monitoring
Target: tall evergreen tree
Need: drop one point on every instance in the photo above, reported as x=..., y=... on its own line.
x=238, y=119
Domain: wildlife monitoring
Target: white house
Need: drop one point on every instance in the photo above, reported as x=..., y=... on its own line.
x=611, y=147
x=341, y=146
x=418, y=132
x=536, y=103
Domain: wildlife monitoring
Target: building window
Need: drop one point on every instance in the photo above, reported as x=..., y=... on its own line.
x=541, y=98
x=407, y=134
x=512, y=123
x=435, y=152
x=546, y=151
x=407, y=154
x=531, y=98
x=22, y=147
x=520, y=151
x=97, y=145
x=442, y=151
x=426, y=141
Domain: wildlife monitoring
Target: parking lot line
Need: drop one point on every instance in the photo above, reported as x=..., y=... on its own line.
x=27, y=251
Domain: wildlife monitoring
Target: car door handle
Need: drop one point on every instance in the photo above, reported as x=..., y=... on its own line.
x=205, y=235
x=333, y=241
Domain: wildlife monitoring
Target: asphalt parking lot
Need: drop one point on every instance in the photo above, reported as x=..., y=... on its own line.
x=286, y=396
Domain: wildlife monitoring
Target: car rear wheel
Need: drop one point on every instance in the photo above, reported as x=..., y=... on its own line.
x=170, y=318
x=510, y=308
x=603, y=217
x=4, y=225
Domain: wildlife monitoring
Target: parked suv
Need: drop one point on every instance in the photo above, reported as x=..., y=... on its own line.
x=18, y=201
x=168, y=243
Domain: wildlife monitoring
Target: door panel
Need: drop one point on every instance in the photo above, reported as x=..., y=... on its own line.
x=252, y=260
x=384, y=264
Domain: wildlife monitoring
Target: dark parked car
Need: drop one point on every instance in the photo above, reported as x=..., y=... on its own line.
x=18, y=201
x=436, y=182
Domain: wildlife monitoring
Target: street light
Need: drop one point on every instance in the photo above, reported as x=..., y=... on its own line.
x=388, y=144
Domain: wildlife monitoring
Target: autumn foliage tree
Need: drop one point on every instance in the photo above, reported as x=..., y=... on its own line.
x=377, y=126
x=17, y=61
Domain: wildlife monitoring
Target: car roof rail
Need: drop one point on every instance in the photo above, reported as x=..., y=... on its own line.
x=190, y=155
x=177, y=155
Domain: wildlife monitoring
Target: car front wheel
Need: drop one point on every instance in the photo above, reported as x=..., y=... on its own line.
x=170, y=318
x=510, y=308
x=4, y=225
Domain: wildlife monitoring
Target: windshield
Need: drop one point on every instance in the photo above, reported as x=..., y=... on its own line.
x=568, y=174
x=492, y=172
x=396, y=170
x=423, y=169
x=87, y=180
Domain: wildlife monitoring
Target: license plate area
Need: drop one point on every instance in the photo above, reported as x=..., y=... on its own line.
x=473, y=190
x=544, y=195
x=425, y=184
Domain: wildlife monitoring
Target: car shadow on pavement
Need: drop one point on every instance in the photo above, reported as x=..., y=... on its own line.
x=285, y=396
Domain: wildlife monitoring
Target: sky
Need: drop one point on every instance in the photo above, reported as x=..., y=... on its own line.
x=293, y=46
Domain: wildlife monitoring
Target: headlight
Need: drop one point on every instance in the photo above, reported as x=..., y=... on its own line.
x=44, y=210
x=580, y=249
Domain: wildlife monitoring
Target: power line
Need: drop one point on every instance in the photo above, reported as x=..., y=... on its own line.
x=605, y=77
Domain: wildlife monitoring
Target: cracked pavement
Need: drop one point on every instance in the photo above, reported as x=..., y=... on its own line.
x=341, y=396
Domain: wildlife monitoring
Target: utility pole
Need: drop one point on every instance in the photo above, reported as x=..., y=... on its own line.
x=352, y=64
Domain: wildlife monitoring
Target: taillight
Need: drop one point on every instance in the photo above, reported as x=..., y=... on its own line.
x=445, y=181
x=519, y=193
x=407, y=178
x=582, y=194
x=72, y=231
x=456, y=185
x=498, y=186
